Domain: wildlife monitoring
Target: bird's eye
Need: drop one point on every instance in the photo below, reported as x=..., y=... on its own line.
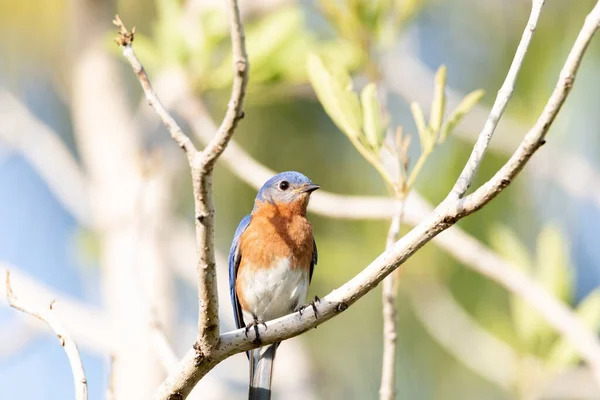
x=283, y=185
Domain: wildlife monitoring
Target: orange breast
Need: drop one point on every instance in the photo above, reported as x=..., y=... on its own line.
x=277, y=231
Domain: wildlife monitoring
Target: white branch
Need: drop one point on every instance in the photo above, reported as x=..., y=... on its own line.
x=49, y=317
x=504, y=94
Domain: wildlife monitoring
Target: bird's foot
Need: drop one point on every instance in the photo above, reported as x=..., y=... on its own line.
x=255, y=324
x=312, y=304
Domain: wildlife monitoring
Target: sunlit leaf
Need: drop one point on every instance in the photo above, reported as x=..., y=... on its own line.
x=372, y=121
x=334, y=90
x=466, y=104
x=563, y=353
x=422, y=128
x=438, y=105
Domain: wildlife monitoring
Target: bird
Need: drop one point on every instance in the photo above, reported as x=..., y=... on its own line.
x=271, y=264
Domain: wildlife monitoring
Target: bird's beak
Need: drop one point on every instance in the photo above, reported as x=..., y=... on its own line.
x=309, y=188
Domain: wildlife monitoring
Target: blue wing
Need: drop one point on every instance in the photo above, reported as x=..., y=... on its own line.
x=234, y=262
x=313, y=261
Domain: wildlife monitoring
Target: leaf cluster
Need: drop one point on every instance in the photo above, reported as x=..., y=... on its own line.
x=364, y=119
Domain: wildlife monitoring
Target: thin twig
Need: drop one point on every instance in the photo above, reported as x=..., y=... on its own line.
x=504, y=94
x=124, y=40
x=49, y=317
x=192, y=367
x=387, y=390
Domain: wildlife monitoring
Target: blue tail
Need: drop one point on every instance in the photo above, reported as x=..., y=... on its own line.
x=261, y=372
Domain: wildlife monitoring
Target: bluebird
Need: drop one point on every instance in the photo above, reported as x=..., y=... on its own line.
x=271, y=264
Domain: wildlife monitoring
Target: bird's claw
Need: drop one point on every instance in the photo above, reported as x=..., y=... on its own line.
x=255, y=325
x=312, y=304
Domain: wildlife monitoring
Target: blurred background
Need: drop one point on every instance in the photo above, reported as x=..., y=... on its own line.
x=96, y=209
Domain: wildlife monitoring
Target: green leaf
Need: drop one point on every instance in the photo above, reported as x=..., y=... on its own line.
x=563, y=353
x=553, y=267
x=334, y=90
x=372, y=121
x=438, y=105
x=466, y=104
x=422, y=128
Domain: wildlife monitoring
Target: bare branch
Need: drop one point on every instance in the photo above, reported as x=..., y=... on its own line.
x=202, y=165
x=49, y=317
x=387, y=390
x=504, y=94
x=195, y=365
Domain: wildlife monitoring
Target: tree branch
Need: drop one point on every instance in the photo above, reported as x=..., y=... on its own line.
x=195, y=365
x=201, y=166
x=50, y=318
x=504, y=94
x=124, y=40
x=387, y=390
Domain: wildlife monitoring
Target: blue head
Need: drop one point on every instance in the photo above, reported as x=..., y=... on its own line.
x=286, y=187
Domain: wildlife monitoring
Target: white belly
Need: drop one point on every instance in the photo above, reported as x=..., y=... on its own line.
x=271, y=293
